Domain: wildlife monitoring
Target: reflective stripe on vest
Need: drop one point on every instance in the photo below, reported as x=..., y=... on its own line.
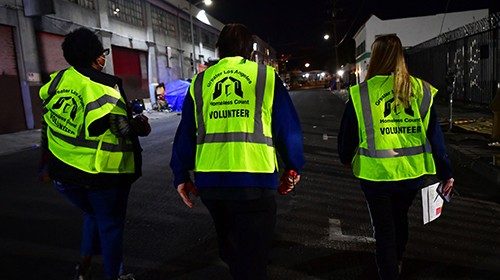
x=371, y=151
x=81, y=142
x=256, y=137
x=103, y=100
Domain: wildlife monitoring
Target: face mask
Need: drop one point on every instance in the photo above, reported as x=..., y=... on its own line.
x=102, y=65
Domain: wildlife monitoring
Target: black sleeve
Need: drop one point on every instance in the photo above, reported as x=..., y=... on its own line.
x=348, y=138
x=99, y=126
x=436, y=139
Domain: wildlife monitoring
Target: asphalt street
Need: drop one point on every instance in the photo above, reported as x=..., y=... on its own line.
x=323, y=229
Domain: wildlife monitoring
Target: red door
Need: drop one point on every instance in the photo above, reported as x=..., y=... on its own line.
x=12, y=117
x=131, y=66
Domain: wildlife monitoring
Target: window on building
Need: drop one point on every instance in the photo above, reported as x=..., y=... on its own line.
x=361, y=49
x=196, y=34
x=129, y=11
x=208, y=39
x=85, y=3
x=185, y=31
x=164, y=22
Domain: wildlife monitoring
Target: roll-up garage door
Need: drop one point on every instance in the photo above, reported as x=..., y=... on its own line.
x=51, y=54
x=12, y=117
x=51, y=60
x=169, y=68
x=131, y=66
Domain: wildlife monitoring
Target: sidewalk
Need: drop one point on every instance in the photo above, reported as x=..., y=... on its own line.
x=469, y=142
x=30, y=139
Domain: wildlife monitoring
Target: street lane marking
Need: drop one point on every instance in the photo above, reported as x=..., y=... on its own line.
x=335, y=234
x=326, y=136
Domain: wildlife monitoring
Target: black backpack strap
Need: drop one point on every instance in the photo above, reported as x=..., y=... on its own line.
x=53, y=85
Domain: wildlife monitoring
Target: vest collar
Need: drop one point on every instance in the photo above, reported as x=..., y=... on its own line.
x=232, y=60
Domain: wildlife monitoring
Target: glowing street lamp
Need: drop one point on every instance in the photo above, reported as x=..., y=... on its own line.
x=326, y=37
x=307, y=65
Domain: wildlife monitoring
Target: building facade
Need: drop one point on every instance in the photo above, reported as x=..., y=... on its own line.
x=150, y=42
x=262, y=52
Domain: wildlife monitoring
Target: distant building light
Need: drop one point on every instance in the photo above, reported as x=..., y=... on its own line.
x=307, y=65
x=254, y=46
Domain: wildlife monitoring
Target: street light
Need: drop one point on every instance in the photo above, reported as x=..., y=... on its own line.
x=207, y=3
x=307, y=65
x=326, y=37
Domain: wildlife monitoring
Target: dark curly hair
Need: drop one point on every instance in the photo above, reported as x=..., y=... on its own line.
x=81, y=47
x=235, y=40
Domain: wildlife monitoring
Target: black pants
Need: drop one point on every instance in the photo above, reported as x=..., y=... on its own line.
x=244, y=231
x=388, y=203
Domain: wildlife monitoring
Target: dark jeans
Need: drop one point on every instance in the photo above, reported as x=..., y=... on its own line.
x=388, y=203
x=103, y=222
x=244, y=233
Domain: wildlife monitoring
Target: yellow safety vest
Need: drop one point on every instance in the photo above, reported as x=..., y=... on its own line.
x=72, y=102
x=233, y=103
x=393, y=144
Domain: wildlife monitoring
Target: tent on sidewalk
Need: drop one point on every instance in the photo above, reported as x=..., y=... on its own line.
x=175, y=92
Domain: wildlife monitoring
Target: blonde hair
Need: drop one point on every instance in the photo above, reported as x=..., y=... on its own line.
x=387, y=58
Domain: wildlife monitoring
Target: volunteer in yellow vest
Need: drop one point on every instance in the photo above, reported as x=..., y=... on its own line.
x=390, y=136
x=91, y=148
x=235, y=120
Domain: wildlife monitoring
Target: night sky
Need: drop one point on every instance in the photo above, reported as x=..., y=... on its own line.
x=296, y=28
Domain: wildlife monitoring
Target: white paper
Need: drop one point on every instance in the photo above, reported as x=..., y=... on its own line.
x=432, y=203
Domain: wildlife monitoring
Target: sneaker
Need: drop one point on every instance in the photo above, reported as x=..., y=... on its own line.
x=129, y=276
x=81, y=276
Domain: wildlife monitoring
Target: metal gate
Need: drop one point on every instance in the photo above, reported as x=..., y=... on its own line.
x=12, y=116
x=50, y=53
x=462, y=60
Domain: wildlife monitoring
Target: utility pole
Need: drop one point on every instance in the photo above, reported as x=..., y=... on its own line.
x=193, y=57
x=335, y=37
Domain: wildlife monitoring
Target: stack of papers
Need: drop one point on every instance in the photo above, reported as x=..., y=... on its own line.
x=432, y=203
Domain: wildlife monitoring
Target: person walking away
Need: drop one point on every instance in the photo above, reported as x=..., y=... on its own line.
x=91, y=147
x=235, y=118
x=390, y=135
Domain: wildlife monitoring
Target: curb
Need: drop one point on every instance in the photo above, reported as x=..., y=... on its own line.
x=474, y=163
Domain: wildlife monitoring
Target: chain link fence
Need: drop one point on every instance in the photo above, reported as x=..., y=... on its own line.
x=463, y=61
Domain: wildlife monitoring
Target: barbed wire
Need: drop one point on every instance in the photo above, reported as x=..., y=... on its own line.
x=485, y=24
